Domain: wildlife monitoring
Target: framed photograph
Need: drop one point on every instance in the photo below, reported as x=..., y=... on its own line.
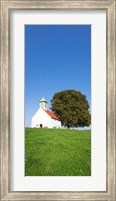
x=58, y=100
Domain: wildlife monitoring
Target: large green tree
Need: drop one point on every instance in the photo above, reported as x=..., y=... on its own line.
x=72, y=108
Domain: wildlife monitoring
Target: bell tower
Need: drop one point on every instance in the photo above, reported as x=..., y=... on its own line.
x=43, y=103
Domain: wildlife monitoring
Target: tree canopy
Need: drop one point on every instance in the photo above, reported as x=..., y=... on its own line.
x=72, y=108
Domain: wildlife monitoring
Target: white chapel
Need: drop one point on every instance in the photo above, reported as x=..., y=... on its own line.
x=45, y=118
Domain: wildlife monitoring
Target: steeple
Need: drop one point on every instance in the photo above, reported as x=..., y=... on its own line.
x=43, y=103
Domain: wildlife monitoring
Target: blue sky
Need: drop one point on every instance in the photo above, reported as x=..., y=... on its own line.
x=57, y=57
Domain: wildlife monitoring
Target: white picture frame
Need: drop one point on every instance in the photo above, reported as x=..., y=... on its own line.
x=6, y=6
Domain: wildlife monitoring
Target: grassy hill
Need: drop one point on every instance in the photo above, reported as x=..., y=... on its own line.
x=57, y=152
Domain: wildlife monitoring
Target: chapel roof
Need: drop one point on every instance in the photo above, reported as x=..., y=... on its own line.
x=51, y=114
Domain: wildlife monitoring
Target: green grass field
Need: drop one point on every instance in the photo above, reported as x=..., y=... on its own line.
x=57, y=152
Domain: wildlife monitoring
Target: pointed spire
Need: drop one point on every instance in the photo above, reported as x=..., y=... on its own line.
x=43, y=103
x=43, y=100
